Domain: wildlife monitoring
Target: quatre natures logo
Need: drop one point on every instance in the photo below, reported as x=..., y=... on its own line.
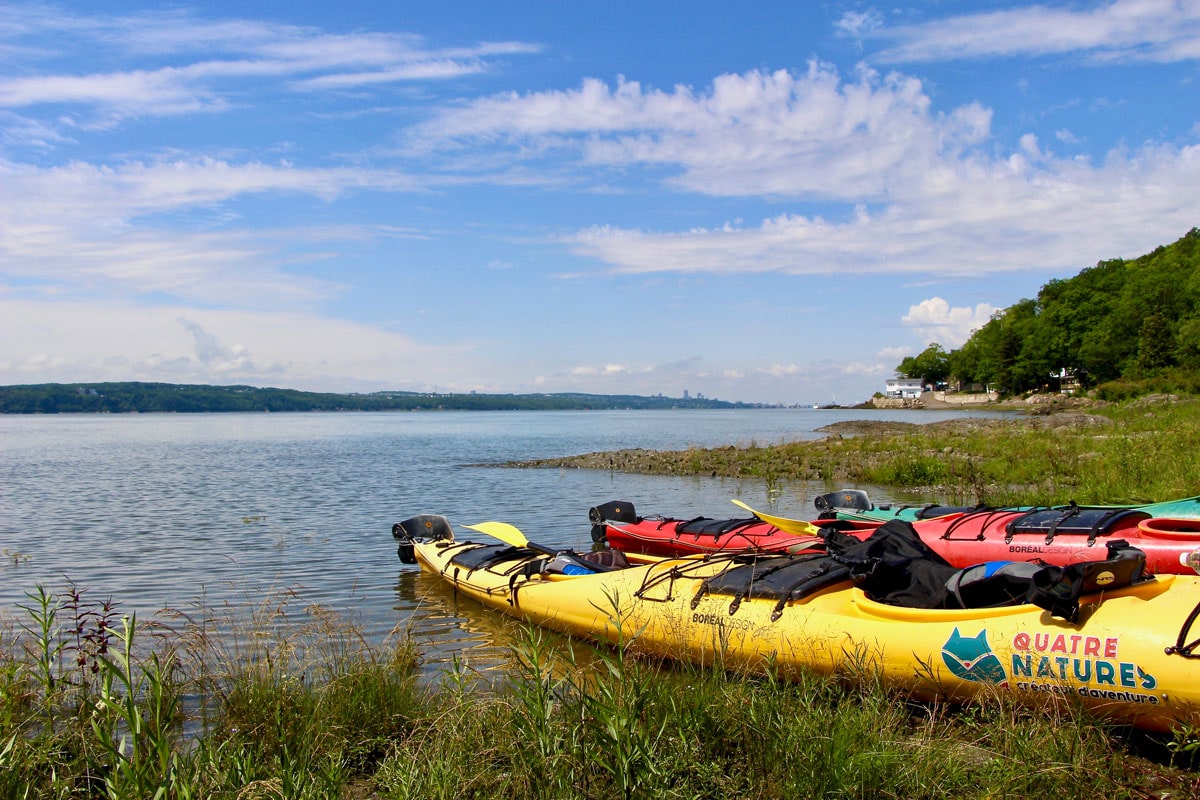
x=972, y=659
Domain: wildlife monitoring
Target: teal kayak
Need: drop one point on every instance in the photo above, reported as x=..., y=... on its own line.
x=854, y=504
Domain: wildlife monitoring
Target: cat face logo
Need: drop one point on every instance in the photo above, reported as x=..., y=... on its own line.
x=971, y=658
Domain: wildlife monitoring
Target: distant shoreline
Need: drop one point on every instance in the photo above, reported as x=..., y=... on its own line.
x=148, y=398
x=132, y=397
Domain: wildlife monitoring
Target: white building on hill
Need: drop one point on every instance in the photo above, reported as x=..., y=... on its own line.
x=904, y=388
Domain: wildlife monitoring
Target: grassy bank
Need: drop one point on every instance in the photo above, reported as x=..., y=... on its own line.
x=95, y=705
x=1135, y=452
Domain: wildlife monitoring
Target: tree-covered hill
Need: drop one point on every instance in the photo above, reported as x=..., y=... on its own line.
x=1126, y=321
x=130, y=397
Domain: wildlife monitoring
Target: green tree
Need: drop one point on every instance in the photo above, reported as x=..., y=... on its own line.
x=1187, y=345
x=1156, y=343
x=1120, y=318
x=931, y=365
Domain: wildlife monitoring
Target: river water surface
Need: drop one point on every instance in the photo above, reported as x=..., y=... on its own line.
x=178, y=511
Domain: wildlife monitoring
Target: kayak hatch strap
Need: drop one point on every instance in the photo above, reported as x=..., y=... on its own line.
x=678, y=571
x=743, y=524
x=522, y=576
x=653, y=579
x=1182, y=647
x=739, y=531
x=1072, y=511
x=970, y=515
x=810, y=585
x=500, y=559
x=715, y=528
x=514, y=587
x=1012, y=526
x=1104, y=519
x=759, y=575
x=679, y=528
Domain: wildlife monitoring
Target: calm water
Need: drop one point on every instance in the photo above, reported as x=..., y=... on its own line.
x=168, y=511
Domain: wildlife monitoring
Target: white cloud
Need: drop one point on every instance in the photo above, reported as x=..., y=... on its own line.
x=776, y=134
x=138, y=188
x=894, y=353
x=86, y=225
x=422, y=70
x=906, y=187
x=215, y=356
x=856, y=23
x=915, y=191
x=222, y=51
x=1124, y=30
x=17, y=129
x=959, y=218
x=159, y=92
x=588, y=371
x=61, y=341
x=934, y=320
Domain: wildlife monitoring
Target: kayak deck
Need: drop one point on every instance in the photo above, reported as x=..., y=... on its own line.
x=1124, y=657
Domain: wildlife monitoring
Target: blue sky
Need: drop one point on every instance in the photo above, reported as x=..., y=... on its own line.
x=762, y=201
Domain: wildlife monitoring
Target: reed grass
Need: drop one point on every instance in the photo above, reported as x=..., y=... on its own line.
x=315, y=711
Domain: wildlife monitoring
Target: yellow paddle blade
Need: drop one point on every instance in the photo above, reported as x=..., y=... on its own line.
x=796, y=526
x=502, y=531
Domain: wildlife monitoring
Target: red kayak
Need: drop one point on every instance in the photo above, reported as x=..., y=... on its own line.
x=1063, y=536
x=1060, y=536
x=618, y=524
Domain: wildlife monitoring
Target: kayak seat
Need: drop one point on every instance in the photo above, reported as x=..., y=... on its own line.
x=422, y=526
x=570, y=563
x=613, y=511
x=845, y=499
x=606, y=560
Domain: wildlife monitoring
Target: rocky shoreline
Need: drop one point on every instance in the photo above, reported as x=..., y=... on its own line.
x=795, y=460
x=865, y=450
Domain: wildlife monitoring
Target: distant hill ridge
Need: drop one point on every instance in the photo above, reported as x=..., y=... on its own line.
x=138, y=397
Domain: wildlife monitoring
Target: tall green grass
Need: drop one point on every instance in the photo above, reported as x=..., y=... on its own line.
x=1145, y=453
x=312, y=710
x=1129, y=453
x=99, y=704
x=1133, y=452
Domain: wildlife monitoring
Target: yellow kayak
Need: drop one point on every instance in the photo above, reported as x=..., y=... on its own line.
x=1127, y=656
